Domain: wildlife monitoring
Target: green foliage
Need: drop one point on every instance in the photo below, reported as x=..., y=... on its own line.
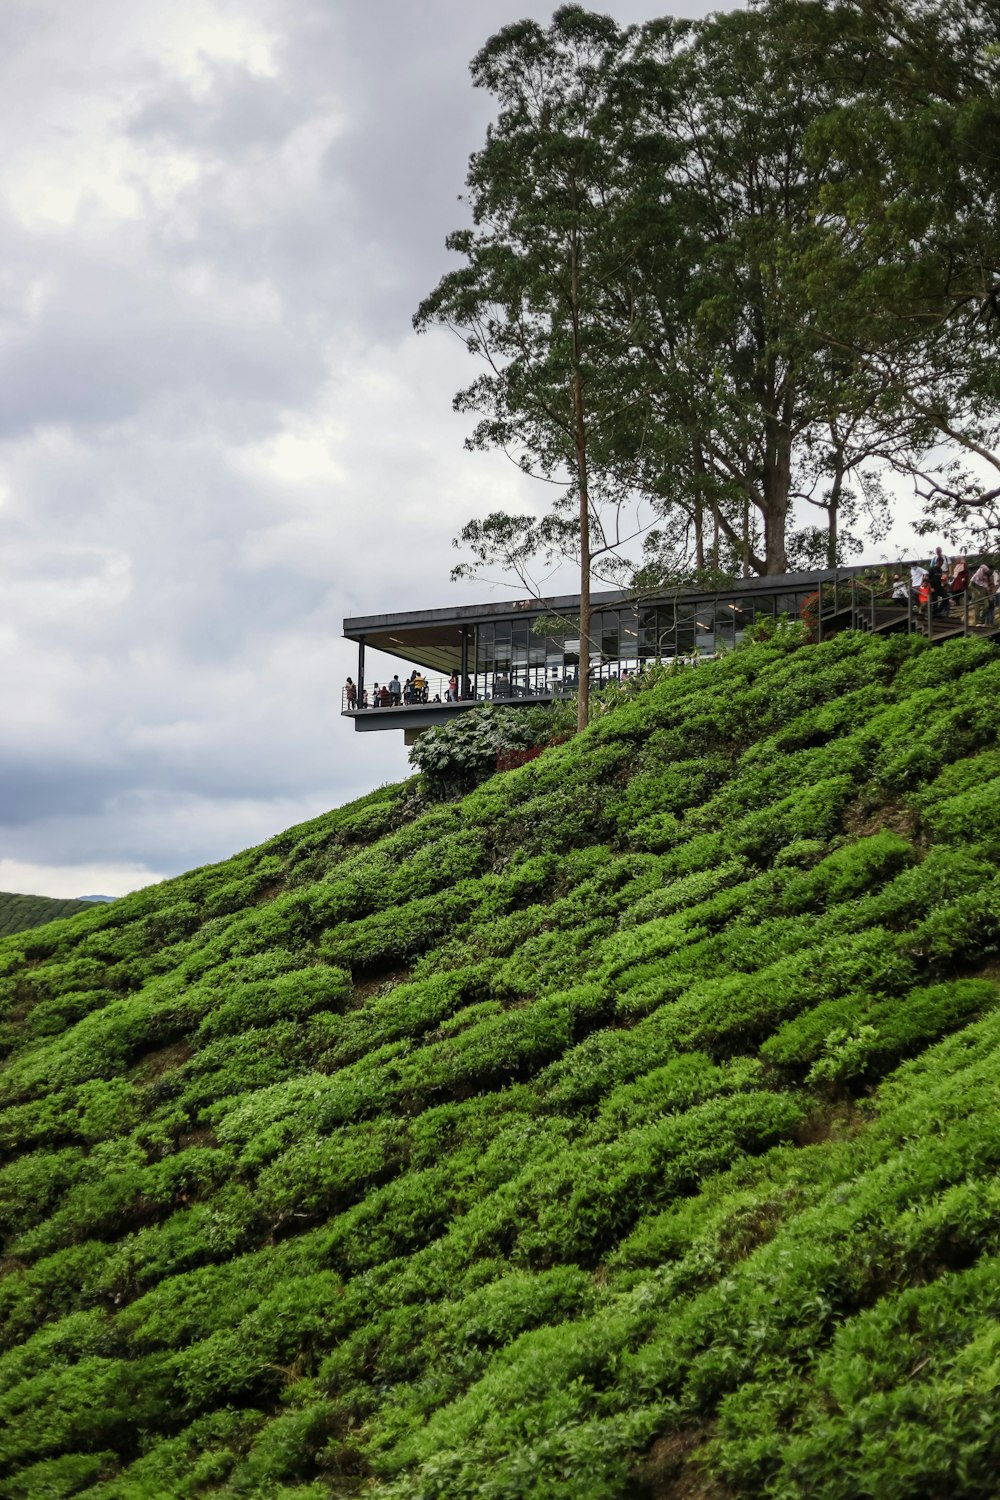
x=17, y=913
x=453, y=757
x=651, y=1089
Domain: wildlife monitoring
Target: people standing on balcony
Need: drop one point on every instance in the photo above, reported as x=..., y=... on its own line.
x=384, y=696
x=937, y=574
x=419, y=687
x=960, y=576
x=396, y=690
x=350, y=695
x=983, y=591
x=452, y=694
x=376, y=700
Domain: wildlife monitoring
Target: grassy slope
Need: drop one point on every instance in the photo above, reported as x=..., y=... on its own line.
x=629, y=1128
x=18, y=913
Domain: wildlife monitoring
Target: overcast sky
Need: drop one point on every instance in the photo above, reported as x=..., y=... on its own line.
x=218, y=433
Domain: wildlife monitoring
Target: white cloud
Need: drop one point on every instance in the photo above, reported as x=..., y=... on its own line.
x=218, y=434
x=70, y=882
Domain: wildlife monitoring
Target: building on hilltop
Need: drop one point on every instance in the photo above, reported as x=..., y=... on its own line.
x=528, y=650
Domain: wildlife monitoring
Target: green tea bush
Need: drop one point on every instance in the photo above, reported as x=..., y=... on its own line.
x=627, y=1127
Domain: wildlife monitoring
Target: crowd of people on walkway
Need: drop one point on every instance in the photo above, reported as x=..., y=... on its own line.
x=945, y=582
x=394, y=694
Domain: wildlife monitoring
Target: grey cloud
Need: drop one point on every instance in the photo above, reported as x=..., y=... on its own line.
x=170, y=599
x=240, y=111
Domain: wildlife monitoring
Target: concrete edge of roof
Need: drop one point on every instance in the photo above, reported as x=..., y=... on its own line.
x=520, y=608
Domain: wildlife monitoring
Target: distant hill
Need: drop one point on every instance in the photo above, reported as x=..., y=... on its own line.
x=96, y=900
x=627, y=1130
x=17, y=913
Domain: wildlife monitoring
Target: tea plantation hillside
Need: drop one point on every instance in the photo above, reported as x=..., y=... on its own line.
x=628, y=1128
x=17, y=913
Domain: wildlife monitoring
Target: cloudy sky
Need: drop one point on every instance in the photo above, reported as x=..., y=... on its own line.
x=218, y=432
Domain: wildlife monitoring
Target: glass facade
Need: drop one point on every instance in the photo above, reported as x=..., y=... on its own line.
x=514, y=661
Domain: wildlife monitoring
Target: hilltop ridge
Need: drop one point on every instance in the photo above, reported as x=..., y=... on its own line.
x=17, y=913
x=625, y=1128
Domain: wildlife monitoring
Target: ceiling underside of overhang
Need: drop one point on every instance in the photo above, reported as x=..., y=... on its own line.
x=436, y=647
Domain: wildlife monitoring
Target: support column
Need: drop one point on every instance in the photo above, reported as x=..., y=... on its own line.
x=464, y=670
x=361, y=671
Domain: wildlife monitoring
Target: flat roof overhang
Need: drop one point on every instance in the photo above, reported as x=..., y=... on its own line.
x=433, y=637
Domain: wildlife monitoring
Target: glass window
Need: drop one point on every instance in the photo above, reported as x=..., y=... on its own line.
x=484, y=649
x=647, y=634
x=742, y=616
x=609, y=635
x=725, y=624
x=501, y=646
x=704, y=627
x=555, y=650
x=666, y=630
x=628, y=634
x=685, y=629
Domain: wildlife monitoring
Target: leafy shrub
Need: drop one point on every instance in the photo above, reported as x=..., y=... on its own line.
x=453, y=757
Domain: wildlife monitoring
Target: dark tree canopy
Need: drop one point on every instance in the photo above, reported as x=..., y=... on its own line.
x=735, y=270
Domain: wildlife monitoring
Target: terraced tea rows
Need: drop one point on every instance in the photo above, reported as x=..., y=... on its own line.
x=629, y=1124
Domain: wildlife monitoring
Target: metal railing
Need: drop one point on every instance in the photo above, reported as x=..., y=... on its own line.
x=535, y=686
x=527, y=685
x=850, y=599
x=967, y=610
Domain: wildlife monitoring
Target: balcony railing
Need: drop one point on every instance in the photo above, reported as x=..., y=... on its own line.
x=524, y=685
x=531, y=686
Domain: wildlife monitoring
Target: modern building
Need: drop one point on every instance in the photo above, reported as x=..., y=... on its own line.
x=528, y=650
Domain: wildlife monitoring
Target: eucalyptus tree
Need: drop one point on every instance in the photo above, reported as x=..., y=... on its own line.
x=747, y=399
x=908, y=282
x=530, y=298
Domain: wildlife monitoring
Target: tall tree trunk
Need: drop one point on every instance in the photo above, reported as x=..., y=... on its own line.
x=746, y=537
x=699, y=535
x=775, y=522
x=777, y=487
x=831, y=534
x=580, y=435
x=833, y=508
x=583, y=483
